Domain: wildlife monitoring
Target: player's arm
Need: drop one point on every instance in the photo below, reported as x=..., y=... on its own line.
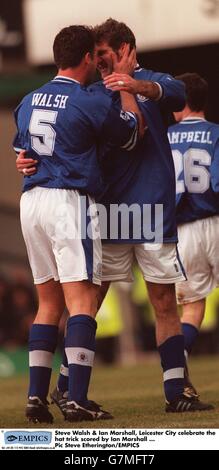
x=125, y=62
x=24, y=165
x=121, y=79
x=129, y=104
x=156, y=86
x=120, y=128
x=173, y=91
x=123, y=82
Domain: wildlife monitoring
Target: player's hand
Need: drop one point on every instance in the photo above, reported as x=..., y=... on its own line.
x=26, y=166
x=126, y=61
x=121, y=82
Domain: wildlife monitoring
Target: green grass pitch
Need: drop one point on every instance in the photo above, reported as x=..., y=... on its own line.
x=133, y=394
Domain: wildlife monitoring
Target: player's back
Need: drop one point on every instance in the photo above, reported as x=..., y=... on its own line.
x=58, y=125
x=195, y=149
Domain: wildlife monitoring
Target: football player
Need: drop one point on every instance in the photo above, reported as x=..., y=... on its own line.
x=62, y=125
x=195, y=148
x=143, y=178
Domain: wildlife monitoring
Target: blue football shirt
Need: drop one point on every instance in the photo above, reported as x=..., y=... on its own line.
x=64, y=126
x=145, y=176
x=195, y=148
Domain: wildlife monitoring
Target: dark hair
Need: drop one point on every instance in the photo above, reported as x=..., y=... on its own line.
x=71, y=44
x=196, y=90
x=114, y=33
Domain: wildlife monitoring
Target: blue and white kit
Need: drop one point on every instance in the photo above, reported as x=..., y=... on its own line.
x=195, y=148
x=63, y=126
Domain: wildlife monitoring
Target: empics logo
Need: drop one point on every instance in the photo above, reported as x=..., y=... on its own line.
x=28, y=437
x=12, y=438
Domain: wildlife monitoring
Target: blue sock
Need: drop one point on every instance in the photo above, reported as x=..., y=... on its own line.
x=62, y=384
x=42, y=344
x=80, y=350
x=190, y=334
x=172, y=361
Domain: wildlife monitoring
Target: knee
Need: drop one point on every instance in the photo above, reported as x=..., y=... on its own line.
x=86, y=303
x=49, y=306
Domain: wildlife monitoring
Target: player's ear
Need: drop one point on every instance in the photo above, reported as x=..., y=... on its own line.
x=122, y=49
x=88, y=58
x=123, y=45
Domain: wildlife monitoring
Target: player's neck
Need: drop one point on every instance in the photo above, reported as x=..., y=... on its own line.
x=76, y=74
x=187, y=113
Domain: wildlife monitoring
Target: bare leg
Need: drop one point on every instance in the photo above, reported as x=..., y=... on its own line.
x=81, y=298
x=169, y=338
x=163, y=299
x=193, y=313
x=51, y=303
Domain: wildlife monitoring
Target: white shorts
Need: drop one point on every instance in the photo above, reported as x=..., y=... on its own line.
x=198, y=248
x=159, y=263
x=53, y=221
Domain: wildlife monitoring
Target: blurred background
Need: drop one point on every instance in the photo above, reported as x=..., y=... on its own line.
x=172, y=37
